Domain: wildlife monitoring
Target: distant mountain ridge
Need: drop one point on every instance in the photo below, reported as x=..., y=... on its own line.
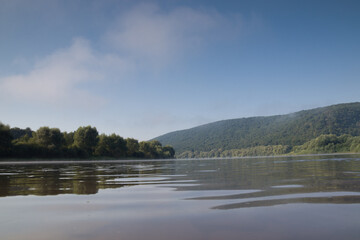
x=290, y=129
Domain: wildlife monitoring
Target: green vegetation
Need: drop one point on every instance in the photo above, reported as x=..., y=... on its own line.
x=329, y=144
x=252, y=151
x=5, y=140
x=272, y=135
x=323, y=144
x=85, y=142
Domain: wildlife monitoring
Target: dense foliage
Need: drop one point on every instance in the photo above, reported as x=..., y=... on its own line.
x=330, y=144
x=253, y=134
x=85, y=142
x=323, y=144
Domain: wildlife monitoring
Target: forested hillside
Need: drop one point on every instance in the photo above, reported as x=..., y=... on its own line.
x=286, y=130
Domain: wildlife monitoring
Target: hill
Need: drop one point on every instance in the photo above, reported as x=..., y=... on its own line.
x=290, y=130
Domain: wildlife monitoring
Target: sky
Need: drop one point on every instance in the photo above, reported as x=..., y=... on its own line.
x=141, y=69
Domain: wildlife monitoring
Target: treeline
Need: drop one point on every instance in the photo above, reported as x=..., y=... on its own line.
x=85, y=142
x=328, y=143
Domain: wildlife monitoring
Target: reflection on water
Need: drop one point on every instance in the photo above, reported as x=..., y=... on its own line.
x=276, y=198
x=331, y=198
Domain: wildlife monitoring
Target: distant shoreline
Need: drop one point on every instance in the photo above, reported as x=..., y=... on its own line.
x=272, y=156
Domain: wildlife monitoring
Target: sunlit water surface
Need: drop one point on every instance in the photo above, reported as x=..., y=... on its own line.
x=313, y=197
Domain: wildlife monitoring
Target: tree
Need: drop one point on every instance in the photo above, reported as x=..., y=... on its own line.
x=111, y=146
x=5, y=140
x=154, y=149
x=68, y=138
x=49, y=137
x=132, y=146
x=117, y=146
x=17, y=133
x=168, y=152
x=102, y=148
x=145, y=149
x=86, y=139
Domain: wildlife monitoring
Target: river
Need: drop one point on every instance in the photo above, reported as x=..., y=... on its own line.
x=303, y=197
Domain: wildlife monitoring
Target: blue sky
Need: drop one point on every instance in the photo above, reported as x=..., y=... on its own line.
x=144, y=68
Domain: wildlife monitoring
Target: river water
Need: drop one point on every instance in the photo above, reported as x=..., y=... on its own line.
x=304, y=197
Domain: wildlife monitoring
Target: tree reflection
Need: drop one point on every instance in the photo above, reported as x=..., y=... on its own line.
x=65, y=179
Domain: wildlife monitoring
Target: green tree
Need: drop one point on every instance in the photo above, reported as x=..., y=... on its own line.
x=102, y=147
x=68, y=138
x=168, y=152
x=17, y=133
x=86, y=139
x=49, y=137
x=144, y=148
x=149, y=149
x=154, y=149
x=5, y=140
x=117, y=146
x=111, y=146
x=132, y=146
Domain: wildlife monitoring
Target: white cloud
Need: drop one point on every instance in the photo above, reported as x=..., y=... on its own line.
x=54, y=77
x=60, y=77
x=147, y=33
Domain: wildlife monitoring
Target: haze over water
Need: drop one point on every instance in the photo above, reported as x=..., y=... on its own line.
x=313, y=197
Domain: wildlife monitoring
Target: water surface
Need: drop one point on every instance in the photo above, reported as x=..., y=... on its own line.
x=308, y=197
